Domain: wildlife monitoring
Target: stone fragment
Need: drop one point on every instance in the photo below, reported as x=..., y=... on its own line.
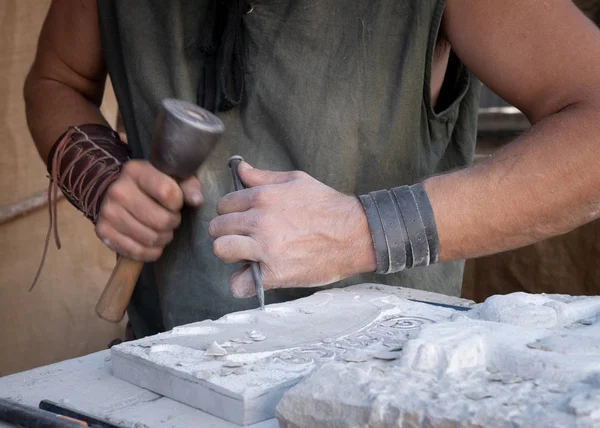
x=232, y=364
x=214, y=350
x=478, y=394
x=355, y=358
x=386, y=355
x=258, y=337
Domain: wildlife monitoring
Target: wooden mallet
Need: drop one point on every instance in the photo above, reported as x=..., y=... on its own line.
x=183, y=137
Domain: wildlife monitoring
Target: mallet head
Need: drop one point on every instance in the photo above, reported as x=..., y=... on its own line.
x=184, y=136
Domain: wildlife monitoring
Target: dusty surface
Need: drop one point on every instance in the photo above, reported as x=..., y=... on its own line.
x=516, y=361
x=238, y=367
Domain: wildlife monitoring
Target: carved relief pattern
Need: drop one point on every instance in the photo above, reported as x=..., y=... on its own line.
x=391, y=332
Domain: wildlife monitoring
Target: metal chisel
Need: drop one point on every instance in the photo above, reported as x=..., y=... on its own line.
x=233, y=163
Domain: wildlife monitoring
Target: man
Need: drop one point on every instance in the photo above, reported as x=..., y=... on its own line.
x=358, y=122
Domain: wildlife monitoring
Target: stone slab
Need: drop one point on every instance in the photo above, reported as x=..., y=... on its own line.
x=519, y=360
x=238, y=367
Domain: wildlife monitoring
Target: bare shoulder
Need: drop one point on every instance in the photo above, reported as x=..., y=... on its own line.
x=539, y=56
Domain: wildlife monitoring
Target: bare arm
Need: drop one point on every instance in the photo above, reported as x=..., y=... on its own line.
x=65, y=86
x=66, y=81
x=544, y=58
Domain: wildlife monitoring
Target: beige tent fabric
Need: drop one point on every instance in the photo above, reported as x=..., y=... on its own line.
x=56, y=320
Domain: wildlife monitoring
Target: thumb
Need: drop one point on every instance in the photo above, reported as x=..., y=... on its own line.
x=253, y=177
x=192, y=191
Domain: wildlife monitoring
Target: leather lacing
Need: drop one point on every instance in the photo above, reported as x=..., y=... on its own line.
x=84, y=177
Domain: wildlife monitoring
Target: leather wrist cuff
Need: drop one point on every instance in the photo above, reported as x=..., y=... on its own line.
x=426, y=212
x=377, y=234
x=82, y=163
x=402, y=227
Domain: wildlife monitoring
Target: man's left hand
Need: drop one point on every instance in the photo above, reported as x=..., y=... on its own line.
x=302, y=232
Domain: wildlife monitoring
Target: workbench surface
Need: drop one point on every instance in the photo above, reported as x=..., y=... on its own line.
x=87, y=385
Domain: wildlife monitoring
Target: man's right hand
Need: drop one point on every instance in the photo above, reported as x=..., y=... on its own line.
x=141, y=209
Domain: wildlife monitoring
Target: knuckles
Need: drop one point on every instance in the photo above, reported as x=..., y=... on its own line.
x=101, y=230
x=152, y=238
x=108, y=211
x=170, y=195
x=131, y=167
x=262, y=196
x=167, y=222
x=119, y=190
x=299, y=175
x=254, y=222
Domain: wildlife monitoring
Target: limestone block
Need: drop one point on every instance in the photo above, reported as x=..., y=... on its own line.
x=238, y=367
x=518, y=360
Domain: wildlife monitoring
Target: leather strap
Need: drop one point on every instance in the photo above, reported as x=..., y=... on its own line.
x=83, y=163
x=395, y=234
x=402, y=227
x=414, y=226
x=377, y=233
x=426, y=212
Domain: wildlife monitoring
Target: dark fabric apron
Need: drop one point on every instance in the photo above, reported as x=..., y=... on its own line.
x=336, y=88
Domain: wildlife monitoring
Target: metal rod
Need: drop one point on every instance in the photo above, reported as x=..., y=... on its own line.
x=51, y=406
x=233, y=163
x=26, y=416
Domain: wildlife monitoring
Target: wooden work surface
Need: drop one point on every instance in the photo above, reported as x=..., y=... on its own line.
x=86, y=384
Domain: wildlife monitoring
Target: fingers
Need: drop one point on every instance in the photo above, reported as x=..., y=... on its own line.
x=127, y=194
x=236, y=249
x=124, y=223
x=253, y=177
x=241, y=283
x=125, y=245
x=234, y=224
x=239, y=201
x=140, y=211
x=156, y=185
x=260, y=192
x=192, y=191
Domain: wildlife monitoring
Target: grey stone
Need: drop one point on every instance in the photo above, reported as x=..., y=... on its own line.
x=515, y=361
x=282, y=345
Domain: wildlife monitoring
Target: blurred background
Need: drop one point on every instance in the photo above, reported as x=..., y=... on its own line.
x=57, y=321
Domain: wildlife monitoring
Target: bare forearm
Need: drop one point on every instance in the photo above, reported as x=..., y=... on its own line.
x=544, y=184
x=51, y=107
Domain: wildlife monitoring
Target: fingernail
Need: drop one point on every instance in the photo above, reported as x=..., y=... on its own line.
x=196, y=198
x=236, y=293
x=245, y=165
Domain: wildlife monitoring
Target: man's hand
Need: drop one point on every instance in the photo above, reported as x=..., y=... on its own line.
x=302, y=232
x=142, y=208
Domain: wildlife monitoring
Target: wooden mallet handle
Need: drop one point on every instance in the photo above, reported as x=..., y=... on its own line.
x=183, y=137
x=119, y=288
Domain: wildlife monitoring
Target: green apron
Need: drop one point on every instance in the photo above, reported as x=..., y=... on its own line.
x=336, y=88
